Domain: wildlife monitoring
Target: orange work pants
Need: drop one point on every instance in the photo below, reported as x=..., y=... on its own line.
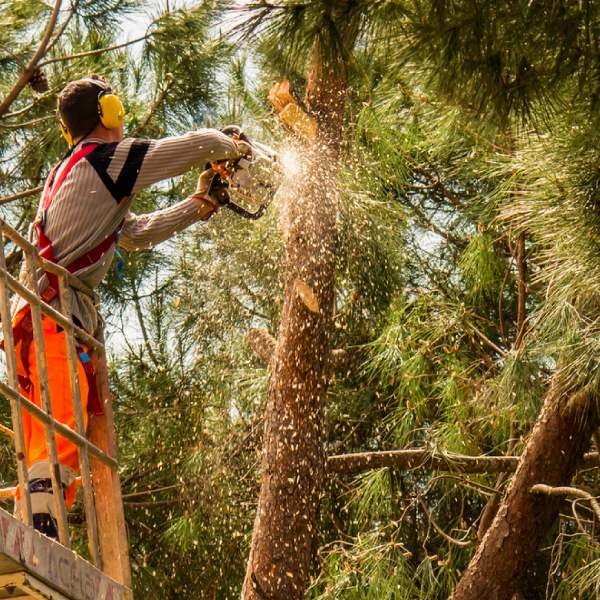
x=36, y=451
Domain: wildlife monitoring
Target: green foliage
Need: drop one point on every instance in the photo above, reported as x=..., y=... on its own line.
x=371, y=567
x=585, y=581
x=482, y=267
x=506, y=59
x=186, y=58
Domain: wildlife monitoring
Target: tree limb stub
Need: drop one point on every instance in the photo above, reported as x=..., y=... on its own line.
x=352, y=464
x=263, y=343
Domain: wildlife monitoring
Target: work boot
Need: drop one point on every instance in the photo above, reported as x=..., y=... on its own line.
x=45, y=523
x=40, y=491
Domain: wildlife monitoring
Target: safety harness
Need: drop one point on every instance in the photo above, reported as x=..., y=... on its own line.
x=45, y=244
x=22, y=328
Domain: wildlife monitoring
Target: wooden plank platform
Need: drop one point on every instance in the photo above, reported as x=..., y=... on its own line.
x=29, y=559
x=22, y=585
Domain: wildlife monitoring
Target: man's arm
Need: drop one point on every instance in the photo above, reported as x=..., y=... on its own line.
x=141, y=163
x=143, y=231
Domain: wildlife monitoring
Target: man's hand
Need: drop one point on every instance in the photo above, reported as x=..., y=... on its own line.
x=237, y=135
x=207, y=201
x=204, y=182
x=244, y=149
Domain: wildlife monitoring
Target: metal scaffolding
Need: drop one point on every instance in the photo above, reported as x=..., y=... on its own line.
x=102, y=501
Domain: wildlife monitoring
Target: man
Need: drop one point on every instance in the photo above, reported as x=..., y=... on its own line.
x=83, y=215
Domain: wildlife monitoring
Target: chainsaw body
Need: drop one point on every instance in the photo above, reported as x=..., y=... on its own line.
x=246, y=185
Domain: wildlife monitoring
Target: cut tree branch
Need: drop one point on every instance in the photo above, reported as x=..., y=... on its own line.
x=28, y=71
x=419, y=458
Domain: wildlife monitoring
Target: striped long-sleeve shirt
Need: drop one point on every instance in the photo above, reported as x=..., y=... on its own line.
x=95, y=198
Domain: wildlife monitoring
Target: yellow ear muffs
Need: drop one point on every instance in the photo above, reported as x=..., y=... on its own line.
x=65, y=132
x=111, y=111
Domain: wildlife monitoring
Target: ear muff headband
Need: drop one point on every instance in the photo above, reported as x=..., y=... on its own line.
x=65, y=132
x=111, y=111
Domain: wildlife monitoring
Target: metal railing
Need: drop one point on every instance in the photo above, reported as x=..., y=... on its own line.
x=102, y=502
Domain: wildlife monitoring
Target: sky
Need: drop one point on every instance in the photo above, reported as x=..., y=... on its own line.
x=137, y=25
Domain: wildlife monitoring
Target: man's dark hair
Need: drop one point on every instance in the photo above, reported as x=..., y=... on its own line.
x=78, y=104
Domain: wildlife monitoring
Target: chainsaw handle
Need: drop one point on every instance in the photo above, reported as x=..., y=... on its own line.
x=218, y=188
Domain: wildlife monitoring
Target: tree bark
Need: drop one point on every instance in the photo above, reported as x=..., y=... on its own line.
x=293, y=462
x=263, y=344
x=554, y=449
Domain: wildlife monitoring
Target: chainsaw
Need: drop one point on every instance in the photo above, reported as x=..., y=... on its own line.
x=248, y=181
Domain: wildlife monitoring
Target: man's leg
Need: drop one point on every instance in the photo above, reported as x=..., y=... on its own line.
x=35, y=437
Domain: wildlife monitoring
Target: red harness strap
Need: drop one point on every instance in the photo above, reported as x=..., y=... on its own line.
x=45, y=244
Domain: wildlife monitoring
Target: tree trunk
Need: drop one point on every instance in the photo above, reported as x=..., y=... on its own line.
x=555, y=447
x=293, y=462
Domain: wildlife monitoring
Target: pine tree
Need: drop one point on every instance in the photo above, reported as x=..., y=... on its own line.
x=520, y=64
x=324, y=34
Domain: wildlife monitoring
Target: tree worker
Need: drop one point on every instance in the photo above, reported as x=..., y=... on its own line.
x=83, y=215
